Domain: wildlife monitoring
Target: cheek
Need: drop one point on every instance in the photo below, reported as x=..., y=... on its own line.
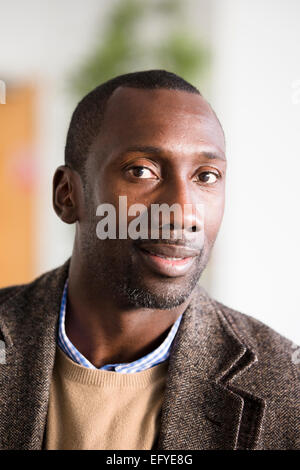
x=213, y=218
x=107, y=191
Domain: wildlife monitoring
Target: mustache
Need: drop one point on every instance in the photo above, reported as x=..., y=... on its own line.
x=182, y=242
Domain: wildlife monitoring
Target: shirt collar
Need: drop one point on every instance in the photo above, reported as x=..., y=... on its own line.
x=160, y=354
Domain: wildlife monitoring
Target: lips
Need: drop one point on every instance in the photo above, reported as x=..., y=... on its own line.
x=168, y=260
x=170, y=251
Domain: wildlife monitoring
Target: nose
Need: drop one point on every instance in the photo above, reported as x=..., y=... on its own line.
x=186, y=209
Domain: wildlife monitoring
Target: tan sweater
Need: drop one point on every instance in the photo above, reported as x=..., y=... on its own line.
x=99, y=409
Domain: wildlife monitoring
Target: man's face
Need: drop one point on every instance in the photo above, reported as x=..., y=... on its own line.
x=154, y=147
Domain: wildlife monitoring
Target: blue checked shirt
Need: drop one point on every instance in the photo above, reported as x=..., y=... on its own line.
x=157, y=356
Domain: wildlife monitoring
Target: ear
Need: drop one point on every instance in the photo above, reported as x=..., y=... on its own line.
x=67, y=188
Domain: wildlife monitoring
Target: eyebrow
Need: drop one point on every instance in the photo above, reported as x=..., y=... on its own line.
x=158, y=151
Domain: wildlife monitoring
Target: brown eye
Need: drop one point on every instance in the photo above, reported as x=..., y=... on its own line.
x=208, y=177
x=142, y=172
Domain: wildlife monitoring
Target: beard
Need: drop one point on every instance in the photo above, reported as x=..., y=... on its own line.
x=115, y=271
x=165, y=293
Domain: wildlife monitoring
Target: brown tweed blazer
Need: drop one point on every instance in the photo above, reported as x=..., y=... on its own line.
x=232, y=383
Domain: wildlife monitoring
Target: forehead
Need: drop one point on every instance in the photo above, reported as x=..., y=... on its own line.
x=174, y=120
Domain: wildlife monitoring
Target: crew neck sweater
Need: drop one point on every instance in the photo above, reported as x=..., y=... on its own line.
x=99, y=409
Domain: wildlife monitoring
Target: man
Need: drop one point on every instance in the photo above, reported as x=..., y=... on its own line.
x=120, y=348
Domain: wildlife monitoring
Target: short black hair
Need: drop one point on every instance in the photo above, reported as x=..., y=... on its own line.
x=86, y=119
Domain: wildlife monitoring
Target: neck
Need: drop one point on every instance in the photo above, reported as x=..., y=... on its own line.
x=104, y=330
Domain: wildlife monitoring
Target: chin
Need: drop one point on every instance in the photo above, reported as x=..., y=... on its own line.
x=143, y=299
x=161, y=295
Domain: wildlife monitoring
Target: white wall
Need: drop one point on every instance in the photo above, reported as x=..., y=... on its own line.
x=257, y=256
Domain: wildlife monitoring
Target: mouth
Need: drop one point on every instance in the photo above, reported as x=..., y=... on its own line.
x=168, y=260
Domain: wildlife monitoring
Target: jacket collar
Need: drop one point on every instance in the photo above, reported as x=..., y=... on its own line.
x=201, y=409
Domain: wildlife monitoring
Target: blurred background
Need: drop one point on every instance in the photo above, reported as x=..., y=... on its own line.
x=244, y=56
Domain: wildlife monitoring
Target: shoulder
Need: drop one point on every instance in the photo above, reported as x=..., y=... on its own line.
x=277, y=356
x=251, y=331
x=8, y=292
x=24, y=301
x=277, y=369
x=262, y=338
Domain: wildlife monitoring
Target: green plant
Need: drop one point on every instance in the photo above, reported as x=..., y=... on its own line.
x=123, y=47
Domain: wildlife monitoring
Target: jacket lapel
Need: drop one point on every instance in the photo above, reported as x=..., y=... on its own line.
x=201, y=410
x=29, y=326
